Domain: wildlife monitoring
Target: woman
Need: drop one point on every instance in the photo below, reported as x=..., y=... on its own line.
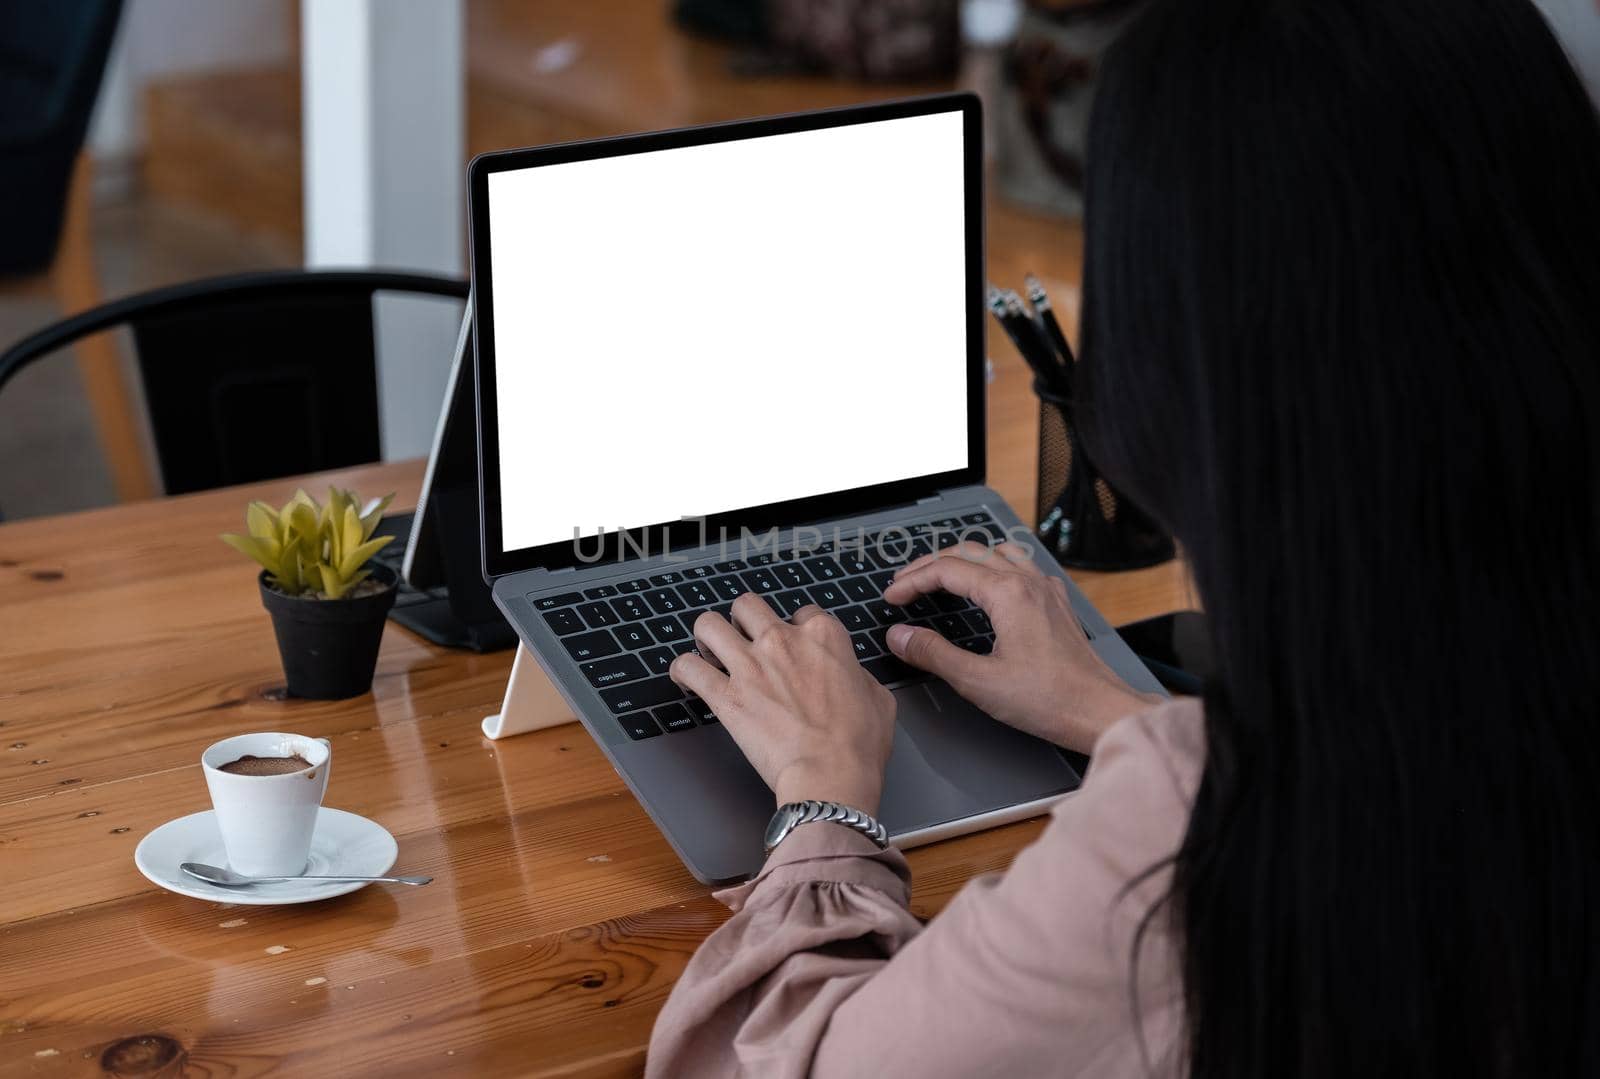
x=1341, y=332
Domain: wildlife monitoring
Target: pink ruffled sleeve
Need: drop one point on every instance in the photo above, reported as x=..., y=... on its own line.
x=823, y=970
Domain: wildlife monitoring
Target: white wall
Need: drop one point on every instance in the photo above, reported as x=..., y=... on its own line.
x=383, y=100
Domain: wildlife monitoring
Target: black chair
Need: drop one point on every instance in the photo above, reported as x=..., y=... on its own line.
x=254, y=376
x=52, y=57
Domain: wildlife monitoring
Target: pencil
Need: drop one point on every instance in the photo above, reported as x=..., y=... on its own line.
x=1007, y=310
x=1047, y=317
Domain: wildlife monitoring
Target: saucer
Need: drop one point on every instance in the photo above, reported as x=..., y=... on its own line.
x=341, y=843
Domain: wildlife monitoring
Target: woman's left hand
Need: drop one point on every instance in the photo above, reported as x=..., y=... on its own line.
x=796, y=700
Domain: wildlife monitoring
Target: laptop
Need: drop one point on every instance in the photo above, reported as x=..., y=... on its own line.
x=443, y=596
x=747, y=357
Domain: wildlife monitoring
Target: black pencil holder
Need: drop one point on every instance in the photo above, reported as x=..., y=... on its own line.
x=1083, y=521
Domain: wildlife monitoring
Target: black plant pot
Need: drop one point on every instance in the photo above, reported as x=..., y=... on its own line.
x=329, y=647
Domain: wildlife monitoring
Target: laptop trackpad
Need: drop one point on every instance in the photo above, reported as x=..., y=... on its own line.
x=951, y=761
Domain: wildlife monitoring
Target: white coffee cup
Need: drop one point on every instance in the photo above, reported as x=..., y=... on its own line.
x=267, y=821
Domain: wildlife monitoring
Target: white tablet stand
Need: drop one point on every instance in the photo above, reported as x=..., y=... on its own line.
x=531, y=703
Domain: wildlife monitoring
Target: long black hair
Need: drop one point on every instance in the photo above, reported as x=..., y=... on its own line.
x=1341, y=332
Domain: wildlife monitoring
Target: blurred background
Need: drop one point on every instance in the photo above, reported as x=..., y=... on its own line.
x=149, y=143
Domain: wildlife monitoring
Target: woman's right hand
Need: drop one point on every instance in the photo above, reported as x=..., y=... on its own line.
x=1043, y=677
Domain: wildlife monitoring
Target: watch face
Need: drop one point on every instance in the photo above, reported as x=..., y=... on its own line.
x=780, y=824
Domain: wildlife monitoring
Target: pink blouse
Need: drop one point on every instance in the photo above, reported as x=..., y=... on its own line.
x=823, y=970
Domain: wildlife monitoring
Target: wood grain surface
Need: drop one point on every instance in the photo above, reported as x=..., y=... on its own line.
x=130, y=639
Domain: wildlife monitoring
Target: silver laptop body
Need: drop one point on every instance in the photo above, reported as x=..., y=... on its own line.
x=605, y=394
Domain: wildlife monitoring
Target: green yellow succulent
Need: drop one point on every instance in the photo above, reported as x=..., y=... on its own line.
x=312, y=549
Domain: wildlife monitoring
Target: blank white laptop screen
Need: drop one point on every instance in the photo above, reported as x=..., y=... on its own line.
x=696, y=330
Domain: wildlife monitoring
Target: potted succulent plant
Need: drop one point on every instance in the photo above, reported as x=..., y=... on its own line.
x=327, y=604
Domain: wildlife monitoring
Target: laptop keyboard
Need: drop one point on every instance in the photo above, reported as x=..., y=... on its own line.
x=624, y=636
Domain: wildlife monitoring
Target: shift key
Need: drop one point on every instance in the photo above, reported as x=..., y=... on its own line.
x=638, y=695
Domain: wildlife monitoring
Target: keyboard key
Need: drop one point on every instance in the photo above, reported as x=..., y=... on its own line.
x=952, y=627
x=824, y=568
x=863, y=645
x=761, y=580
x=891, y=549
x=664, y=601
x=732, y=565
x=663, y=579
x=978, y=518
x=889, y=670
x=854, y=562
x=729, y=588
x=701, y=711
x=600, y=591
x=978, y=621
x=860, y=589
x=827, y=596
x=636, y=695
x=698, y=572
x=789, y=602
x=688, y=619
x=596, y=645
x=658, y=660
x=630, y=608
x=684, y=647
x=639, y=725
x=610, y=672
x=638, y=584
x=981, y=645
x=634, y=635
x=887, y=614
x=856, y=618
x=697, y=594
x=946, y=539
x=550, y=603
x=598, y=615
x=944, y=524
x=563, y=621
x=791, y=575
x=921, y=607
x=673, y=718
x=667, y=630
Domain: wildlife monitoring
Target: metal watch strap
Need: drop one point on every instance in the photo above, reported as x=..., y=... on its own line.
x=793, y=814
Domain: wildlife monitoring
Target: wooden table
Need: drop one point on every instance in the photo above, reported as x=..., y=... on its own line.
x=130, y=639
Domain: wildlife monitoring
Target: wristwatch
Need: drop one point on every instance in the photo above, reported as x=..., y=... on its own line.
x=791, y=816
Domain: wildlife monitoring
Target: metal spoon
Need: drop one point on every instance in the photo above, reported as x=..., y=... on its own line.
x=213, y=874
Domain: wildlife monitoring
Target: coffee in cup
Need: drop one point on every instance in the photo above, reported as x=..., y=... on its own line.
x=266, y=790
x=251, y=765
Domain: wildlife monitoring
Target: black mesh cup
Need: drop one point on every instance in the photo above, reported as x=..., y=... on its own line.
x=1083, y=521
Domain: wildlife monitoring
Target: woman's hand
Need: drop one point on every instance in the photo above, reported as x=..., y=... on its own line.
x=1042, y=677
x=811, y=721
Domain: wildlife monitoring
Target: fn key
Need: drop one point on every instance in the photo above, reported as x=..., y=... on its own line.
x=639, y=725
